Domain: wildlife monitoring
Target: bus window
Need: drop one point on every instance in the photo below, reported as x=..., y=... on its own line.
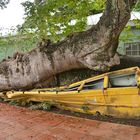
x=97, y=84
x=122, y=80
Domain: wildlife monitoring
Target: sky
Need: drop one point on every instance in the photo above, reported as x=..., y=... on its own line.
x=12, y=15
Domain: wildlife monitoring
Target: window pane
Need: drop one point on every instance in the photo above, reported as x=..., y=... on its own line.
x=128, y=52
x=134, y=47
x=128, y=47
x=98, y=84
x=134, y=52
x=124, y=80
x=73, y=88
x=139, y=47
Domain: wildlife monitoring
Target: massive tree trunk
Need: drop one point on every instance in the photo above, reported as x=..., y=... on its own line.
x=94, y=48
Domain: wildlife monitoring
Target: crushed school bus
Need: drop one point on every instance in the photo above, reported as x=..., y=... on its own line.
x=115, y=93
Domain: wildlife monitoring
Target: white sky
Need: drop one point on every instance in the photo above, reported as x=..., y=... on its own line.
x=12, y=15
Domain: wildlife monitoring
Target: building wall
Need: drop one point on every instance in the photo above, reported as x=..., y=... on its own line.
x=129, y=36
x=9, y=47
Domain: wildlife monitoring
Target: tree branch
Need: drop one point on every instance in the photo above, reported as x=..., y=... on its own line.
x=94, y=48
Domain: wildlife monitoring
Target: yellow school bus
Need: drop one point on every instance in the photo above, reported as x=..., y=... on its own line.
x=115, y=93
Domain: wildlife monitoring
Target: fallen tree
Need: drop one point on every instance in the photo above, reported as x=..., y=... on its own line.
x=94, y=49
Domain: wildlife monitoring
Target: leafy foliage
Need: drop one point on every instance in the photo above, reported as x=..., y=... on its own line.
x=127, y=35
x=54, y=18
x=41, y=106
x=137, y=6
x=3, y=3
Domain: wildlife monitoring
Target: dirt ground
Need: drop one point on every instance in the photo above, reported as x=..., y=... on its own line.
x=133, y=122
x=18, y=123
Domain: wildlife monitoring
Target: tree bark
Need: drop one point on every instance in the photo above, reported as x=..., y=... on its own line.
x=94, y=49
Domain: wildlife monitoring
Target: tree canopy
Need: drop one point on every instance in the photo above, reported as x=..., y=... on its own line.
x=52, y=17
x=3, y=3
x=137, y=6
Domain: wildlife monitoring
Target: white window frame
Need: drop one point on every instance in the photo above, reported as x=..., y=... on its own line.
x=135, y=52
